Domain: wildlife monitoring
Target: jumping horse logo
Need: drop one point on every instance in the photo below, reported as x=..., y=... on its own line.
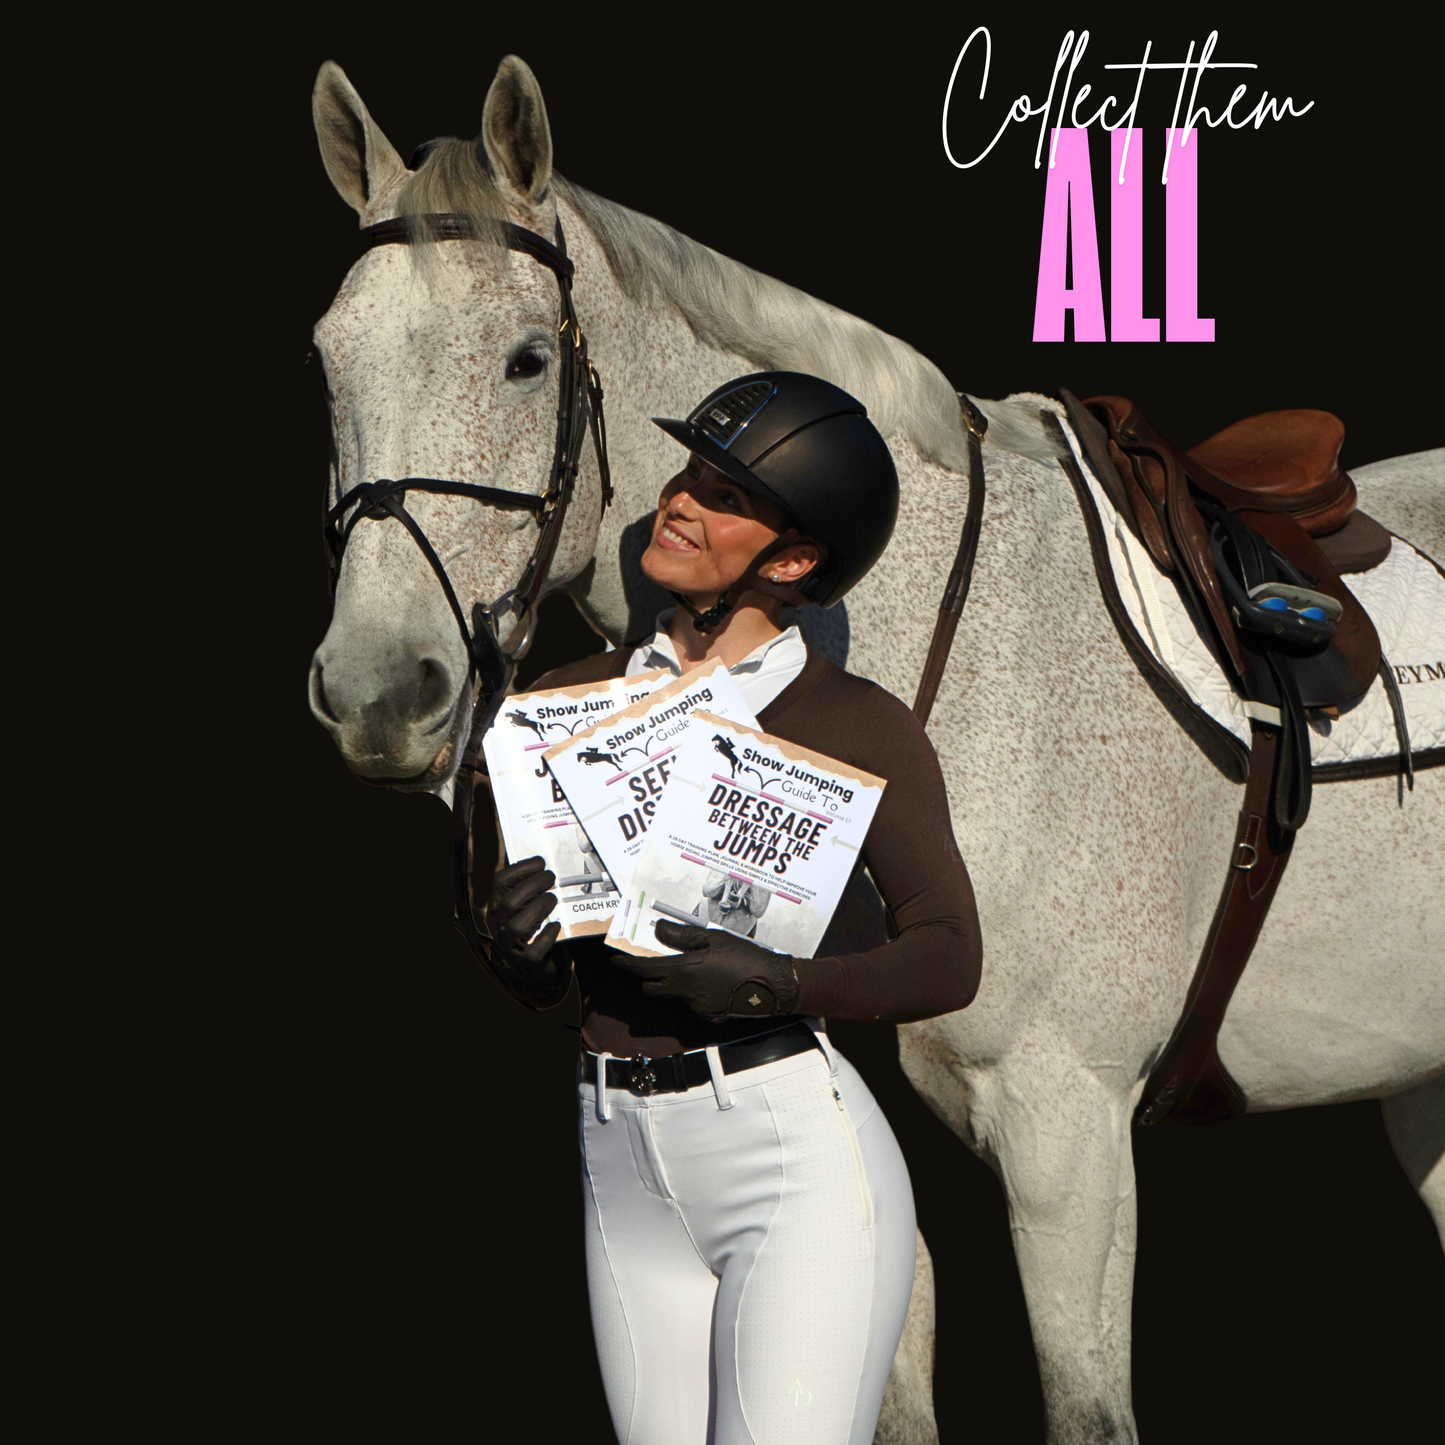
x=725, y=747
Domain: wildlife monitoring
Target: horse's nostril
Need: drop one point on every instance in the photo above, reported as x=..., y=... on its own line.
x=319, y=703
x=434, y=691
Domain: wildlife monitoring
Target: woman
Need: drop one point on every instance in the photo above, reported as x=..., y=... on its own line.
x=750, y=1228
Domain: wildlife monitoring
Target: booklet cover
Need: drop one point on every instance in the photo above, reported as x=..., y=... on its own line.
x=613, y=773
x=533, y=811
x=755, y=835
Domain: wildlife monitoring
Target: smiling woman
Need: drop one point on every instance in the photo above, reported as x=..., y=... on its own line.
x=716, y=523
x=710, y=533
x=753, y=1256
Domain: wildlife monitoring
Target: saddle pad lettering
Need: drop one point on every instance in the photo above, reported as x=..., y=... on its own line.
x=1404, y=596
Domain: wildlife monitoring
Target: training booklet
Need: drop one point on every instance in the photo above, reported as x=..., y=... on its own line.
x=755, y=835
x=533, y=811
x=614, y=772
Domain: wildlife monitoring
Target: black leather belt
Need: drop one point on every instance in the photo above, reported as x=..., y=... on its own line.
x=676, y=1073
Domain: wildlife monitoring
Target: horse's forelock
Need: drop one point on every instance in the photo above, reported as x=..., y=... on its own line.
x=452, y=181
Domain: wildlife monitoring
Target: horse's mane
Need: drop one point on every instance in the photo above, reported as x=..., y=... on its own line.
x=727, y=305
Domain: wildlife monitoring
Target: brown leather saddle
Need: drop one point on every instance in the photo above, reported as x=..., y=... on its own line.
x=1279, y=475
x=1256, y=514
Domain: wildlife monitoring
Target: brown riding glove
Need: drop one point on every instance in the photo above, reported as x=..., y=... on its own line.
x=538, y=970
x=718, y=976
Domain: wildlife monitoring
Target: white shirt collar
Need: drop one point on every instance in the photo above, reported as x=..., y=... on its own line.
x=658, y=651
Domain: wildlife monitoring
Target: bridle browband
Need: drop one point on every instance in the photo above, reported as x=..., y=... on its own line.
x=491, y=658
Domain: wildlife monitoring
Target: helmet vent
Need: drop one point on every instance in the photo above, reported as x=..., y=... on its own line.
x=725, y=419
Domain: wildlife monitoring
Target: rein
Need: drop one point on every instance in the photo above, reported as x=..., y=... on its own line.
x=492, y=659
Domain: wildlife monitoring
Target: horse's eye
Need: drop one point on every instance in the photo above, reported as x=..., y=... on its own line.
x=529, y=362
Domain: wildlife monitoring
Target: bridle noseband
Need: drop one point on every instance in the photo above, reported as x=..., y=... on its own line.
x=492, y=659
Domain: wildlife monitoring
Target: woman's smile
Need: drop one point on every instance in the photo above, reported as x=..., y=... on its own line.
x=708, y=532
x=669, y=537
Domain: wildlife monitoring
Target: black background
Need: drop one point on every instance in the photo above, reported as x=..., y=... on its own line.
x=366, y=1154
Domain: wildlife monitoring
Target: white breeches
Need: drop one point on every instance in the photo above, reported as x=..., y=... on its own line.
x=749, y=1266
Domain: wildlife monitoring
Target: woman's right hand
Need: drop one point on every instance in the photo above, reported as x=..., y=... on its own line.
x=536, y=970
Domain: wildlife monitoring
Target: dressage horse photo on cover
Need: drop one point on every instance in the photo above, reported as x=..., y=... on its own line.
x=474, y=472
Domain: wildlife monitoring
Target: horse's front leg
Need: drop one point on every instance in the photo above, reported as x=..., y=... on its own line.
x=907, y=1414
x=1058, y=1132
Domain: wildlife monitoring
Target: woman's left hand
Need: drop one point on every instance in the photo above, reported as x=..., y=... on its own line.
x=719, y=975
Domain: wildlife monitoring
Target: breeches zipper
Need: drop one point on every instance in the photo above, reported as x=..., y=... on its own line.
x=864, y=1193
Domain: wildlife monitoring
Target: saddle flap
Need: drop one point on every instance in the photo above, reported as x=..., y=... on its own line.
x=1189, y=534
x=1156, y=468
x=1286, y=461
x=1137, y=493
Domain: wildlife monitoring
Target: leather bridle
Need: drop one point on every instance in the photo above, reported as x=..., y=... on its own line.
x=492, y=659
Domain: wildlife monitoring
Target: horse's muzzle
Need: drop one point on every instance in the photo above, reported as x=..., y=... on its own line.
x=401, y=726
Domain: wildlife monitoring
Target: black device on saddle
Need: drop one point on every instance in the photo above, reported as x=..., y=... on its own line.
x=807, y=447
x=1240, y=545
x=1260, y=584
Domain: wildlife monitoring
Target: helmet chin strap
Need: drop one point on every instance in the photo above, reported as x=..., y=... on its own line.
x=706, y=621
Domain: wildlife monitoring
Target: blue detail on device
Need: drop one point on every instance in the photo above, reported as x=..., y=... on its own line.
x=1287, y=610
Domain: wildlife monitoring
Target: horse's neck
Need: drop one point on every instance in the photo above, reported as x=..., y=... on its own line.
x=652, y=364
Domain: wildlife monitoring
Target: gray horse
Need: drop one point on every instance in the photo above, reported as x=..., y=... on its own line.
x=1092, y=825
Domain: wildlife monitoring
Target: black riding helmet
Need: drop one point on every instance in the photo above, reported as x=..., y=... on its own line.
x=808, y=447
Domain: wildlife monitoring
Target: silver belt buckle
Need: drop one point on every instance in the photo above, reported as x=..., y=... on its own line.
x=641, y=1076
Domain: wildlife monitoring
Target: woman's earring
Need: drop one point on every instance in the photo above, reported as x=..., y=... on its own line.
x=776, y=578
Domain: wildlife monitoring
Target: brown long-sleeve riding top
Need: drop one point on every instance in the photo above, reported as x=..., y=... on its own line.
x=930, y=966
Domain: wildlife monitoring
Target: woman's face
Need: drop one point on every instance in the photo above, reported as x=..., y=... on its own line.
x=708, y=531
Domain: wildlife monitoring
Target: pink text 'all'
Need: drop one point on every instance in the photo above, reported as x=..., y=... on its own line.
x=1069, y=225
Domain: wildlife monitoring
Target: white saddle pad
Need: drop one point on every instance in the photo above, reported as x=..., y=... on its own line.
x=1404, y=596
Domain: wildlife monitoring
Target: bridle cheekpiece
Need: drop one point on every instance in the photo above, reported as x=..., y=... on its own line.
x=492, y=659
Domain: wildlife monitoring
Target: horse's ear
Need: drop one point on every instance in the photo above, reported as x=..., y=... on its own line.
x=359, y=159
x=515, y=132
